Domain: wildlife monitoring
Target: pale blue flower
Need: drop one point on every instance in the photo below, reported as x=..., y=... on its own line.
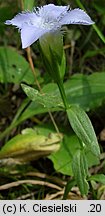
x=49, y=18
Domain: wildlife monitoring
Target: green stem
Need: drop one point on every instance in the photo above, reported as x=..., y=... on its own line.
x=62, y=92
x=94, y=196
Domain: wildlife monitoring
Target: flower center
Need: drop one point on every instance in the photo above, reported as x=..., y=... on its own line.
x=44, y=20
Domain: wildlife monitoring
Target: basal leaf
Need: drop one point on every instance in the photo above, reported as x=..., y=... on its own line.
x=68, y=187
x=98, y=178
x=80, y=172
x=29, y=145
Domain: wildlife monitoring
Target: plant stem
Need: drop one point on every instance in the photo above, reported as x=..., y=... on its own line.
x=62, y=92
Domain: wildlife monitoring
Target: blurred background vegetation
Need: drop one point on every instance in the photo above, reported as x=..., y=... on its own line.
x=85, y=52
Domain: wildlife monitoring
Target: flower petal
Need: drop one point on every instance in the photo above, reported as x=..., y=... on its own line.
x=22, y=18
x=76, y=16
x=53, y=10
x=29, y=34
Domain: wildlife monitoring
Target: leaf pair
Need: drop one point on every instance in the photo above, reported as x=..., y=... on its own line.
x=77, y=117
x=83, y=129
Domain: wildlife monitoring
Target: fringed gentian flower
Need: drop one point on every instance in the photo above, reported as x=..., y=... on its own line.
x=46, y=19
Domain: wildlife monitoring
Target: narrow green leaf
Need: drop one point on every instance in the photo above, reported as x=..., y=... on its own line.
x=98, y=178
x=47, y=100
x=68, y=188
x=80, y=172
x=82, y=126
